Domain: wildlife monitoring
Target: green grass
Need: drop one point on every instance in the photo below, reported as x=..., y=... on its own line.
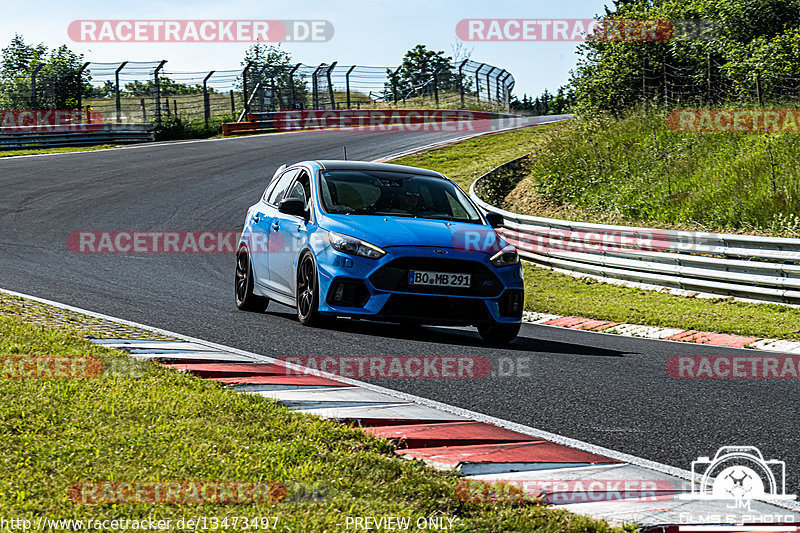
x=466, y=161
x=164, y=425
x=551, y=292
x=635, y=170
x=59, y=150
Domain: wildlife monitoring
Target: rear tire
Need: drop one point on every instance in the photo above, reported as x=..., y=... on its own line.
x=308, y=291
x=498, y=333
x=243, y=288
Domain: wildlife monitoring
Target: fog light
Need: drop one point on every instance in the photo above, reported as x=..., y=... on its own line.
x=339, y=295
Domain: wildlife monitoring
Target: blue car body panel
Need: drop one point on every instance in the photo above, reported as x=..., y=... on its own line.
x=276, y=241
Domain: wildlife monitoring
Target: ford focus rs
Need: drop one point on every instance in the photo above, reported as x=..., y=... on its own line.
x=381, y=242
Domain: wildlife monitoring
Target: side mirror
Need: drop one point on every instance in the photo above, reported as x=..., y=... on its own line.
x=495, y=220
x=293, y=206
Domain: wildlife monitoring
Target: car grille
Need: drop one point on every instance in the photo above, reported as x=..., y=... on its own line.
x=394, y=277
x=435, y=308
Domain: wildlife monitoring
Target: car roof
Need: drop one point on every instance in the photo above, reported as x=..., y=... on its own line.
x=341, y=164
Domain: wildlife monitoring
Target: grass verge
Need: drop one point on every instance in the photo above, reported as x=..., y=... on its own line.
x=551, y=292
x=59, y=150
x=155, y=424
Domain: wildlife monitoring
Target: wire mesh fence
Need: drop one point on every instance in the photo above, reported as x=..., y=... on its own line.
x=150, y=92
x=711, y=83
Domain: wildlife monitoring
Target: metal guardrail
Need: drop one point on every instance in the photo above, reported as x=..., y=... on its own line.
x=88, y=134
x=747, y=267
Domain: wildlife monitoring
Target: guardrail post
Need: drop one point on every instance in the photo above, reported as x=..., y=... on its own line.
x=80, y=84
x=461, y=80
x=206, y=103
x=245, y=72
x=489, y=84
x=116, y=90
x=34, y=100
x=330, y=84
x=347, y=83
x=158, y=90
x=291, y=84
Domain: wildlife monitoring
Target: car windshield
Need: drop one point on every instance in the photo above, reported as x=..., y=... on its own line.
x=400, y=194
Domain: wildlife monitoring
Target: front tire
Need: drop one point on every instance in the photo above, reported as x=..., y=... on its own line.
x=499, y=333
x=245, y=299
x=308, y=291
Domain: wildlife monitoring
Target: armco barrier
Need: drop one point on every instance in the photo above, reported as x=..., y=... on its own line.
x=107, y=133
x=747, y=267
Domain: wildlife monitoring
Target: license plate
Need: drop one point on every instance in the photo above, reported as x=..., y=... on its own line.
x=438, y=279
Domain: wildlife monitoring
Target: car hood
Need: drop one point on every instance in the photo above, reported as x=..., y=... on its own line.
x=388, y=231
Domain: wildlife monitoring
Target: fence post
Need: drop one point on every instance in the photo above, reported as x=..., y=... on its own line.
x=506, y=91
x=394, y=85
x=489, y=84
x=758, y=90
x=478, y=82
x=644, y=80
x=708, y=76
x=315, y=87
x=330, y=84
x=144, y=111
x=116, y=90
x=499, y=78
x=158, y=91
x=174, y=106
x=245, y=72
x=291, y=84
x=436, y=86
x=80, y=84
x=461, y=81
x=34, y=100
x=206, y=103
x=233, y=104
x=347, y=83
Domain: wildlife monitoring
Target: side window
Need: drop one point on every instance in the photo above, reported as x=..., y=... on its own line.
x=272, y=196
x=301, y=188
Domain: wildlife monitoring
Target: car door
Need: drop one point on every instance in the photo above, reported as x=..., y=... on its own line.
x=265, y=213
x=289, y=232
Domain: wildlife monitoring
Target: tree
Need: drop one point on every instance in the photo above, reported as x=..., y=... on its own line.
x=57, y=77
x=416, y=75
x=270, y=68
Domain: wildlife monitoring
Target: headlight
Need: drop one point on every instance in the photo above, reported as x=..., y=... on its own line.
x=505, y=257
x=351, y=245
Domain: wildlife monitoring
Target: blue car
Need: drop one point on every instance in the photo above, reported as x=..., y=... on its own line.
x=381, y=242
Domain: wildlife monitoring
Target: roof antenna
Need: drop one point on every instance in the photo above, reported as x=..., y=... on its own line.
x=345, y=152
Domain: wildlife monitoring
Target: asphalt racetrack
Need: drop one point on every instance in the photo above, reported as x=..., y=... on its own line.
x=608, y=390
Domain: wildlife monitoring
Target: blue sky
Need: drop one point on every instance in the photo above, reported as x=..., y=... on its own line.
x=367, y=32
